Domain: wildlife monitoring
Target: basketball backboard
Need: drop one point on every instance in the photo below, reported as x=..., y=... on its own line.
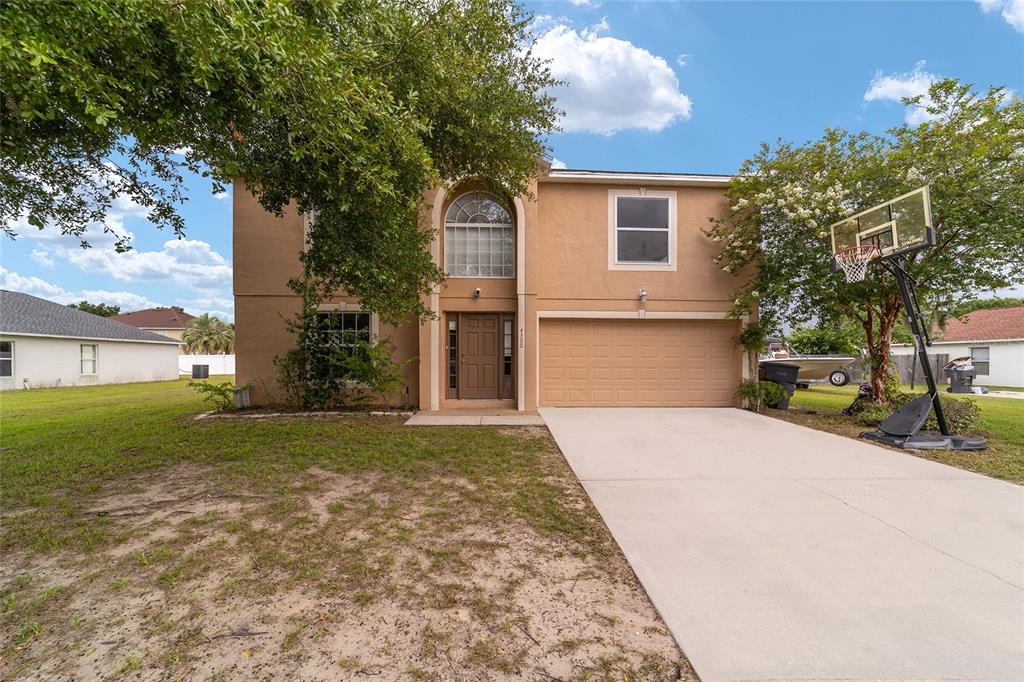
x=899, y=226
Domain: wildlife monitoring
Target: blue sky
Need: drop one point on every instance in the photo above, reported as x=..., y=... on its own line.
x=657, y=86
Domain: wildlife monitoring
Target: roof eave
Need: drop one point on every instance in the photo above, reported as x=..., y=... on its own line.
x=169, y=341
x=635, y=178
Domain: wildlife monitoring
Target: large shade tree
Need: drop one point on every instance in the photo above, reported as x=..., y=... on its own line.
x=970, y=153
x=346, y=109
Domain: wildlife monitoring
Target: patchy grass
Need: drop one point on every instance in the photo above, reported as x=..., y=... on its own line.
x=1002, y=425
x=138, y=541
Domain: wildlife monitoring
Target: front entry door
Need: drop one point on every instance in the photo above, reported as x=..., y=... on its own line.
x=479, y=355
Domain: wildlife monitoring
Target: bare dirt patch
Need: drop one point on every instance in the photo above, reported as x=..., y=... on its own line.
x=329, y=575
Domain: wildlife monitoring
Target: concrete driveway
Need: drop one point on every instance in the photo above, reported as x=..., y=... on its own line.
x=776, y=552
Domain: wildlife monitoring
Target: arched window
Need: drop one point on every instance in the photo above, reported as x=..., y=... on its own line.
x=479, y=237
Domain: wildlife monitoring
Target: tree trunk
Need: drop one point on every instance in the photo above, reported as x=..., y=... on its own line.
x=878, y=326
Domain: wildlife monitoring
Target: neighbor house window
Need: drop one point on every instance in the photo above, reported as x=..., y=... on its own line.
x=6, y=358
x=88, y=358
x=979, y=358
x=344, y=328
x=642, y=232
x=479, y=237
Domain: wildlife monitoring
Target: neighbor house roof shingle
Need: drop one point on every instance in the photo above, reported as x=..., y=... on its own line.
x=987, y=325
x=155, y=318
x=30, y=315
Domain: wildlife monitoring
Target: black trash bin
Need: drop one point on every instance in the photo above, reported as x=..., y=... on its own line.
x=200, y=371
x=782, y=374
x=961, y=379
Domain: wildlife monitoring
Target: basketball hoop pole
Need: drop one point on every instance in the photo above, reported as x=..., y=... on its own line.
x=919, y=330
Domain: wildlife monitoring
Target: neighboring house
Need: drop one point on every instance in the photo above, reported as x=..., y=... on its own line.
x=597, y=288
x=43, y=343
x=164, y=321
x=992, y=338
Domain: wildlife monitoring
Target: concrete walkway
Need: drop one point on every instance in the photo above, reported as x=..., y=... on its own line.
x=777, y=552
x=468, y=418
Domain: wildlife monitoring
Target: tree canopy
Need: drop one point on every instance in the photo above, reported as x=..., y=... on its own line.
x=826, y=339
x=970, y=153
x=101, y=309
x=346, y=109
x=207, y=334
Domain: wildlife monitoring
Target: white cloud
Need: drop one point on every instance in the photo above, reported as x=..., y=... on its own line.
x=221, y=196
x=190, y=263
x=558, y=163
x=682, y=59
x=126, y=299
x=221, y=307
x=584, y=3
x=894, y=87
x=1012, y=11
x=611, y=84
x=37, y=286
x=42, y=257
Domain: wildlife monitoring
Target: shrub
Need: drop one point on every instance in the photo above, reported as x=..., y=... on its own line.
x=332, y=369
x=962, y=415
x=221, y=394
x=760, y=393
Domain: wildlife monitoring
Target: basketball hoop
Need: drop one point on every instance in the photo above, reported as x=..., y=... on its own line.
x=853, y=261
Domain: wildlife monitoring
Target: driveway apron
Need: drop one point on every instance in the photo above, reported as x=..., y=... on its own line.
x=777, y=552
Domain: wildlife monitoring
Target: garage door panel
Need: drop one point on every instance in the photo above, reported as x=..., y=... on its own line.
x=638, y=362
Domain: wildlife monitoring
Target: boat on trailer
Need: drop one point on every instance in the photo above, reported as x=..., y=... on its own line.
x=831, y=368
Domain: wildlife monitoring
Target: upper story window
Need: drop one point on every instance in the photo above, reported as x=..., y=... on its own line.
x=642, y=230
x=479, y=237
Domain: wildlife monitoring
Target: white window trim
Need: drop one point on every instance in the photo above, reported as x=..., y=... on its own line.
x=444, y=237
x=11, y=376
x=613, y=262
x=95, y=359
x=988, y=362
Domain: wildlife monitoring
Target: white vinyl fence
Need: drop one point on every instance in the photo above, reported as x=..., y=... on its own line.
x=219, y=364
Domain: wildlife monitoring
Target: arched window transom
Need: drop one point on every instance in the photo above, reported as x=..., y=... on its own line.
x=479, y=237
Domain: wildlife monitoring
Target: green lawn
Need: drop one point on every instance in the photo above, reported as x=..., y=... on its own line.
x=137, y=540
x=1002, y=424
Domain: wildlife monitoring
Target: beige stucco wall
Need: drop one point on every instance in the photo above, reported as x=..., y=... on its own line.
x=266, y=252
x=571, y=254
x=561, y=265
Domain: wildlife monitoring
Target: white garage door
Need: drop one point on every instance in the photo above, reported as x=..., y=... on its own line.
x=638, y=362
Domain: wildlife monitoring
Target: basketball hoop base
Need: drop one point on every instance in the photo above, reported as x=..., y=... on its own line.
x=926, y=440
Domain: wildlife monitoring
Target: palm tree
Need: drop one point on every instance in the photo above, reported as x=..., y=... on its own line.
x=207, y=335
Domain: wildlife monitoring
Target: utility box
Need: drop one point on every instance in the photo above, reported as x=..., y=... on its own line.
x=782, y=374
x=200, y=371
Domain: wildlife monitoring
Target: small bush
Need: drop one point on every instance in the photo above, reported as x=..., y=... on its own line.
x=962, y=415
x=759, y=394
x=873, y=414
x=221, y=395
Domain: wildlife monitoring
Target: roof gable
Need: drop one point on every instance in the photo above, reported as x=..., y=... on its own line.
x=33, y=316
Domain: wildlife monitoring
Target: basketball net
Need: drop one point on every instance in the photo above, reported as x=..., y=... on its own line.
x=853, y=261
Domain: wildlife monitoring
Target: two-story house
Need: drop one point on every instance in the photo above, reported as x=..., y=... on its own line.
x=596, y=289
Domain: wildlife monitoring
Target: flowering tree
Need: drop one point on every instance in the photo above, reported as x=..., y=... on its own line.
x=970, y=153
